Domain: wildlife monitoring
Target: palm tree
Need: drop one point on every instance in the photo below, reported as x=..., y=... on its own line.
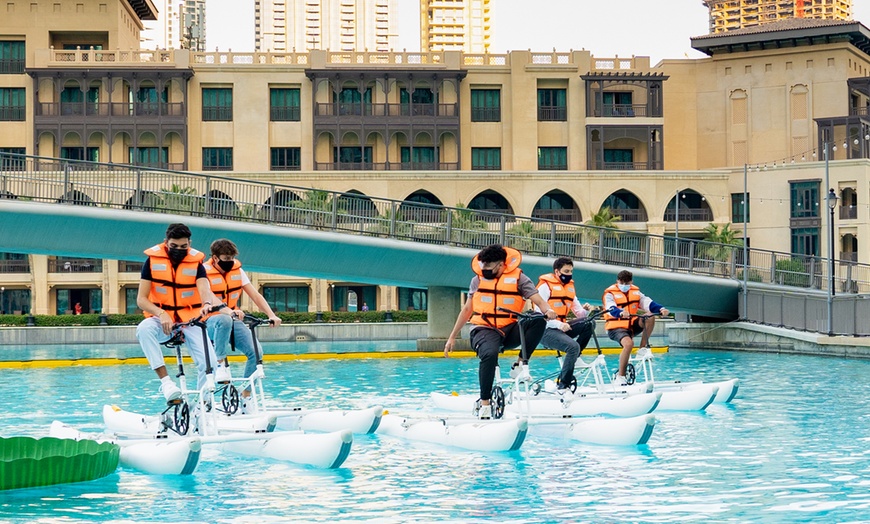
x=316, y=206
x=721, y=240
x=466, y=228
x=602, y=227
x=179, y=199
x=381, y=226
x=521, y=236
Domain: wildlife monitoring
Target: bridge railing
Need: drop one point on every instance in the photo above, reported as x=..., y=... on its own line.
x=210, y=195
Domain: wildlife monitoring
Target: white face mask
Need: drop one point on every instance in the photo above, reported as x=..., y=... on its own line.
x=624, y=287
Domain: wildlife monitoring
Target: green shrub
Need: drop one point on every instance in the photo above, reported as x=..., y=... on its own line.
x=792, y=272
x=93, y=319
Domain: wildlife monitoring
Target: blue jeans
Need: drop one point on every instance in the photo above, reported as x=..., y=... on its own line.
x=151, y=336
x=220, y=328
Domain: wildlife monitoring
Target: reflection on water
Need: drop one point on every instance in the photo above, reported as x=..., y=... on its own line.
x=793, y=447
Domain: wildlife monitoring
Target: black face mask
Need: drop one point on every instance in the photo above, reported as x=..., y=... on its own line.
x=225, y=265
x=488, y=274
x=565, y=278
x=176, y=255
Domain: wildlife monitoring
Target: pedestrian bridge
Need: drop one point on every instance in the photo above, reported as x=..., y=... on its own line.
x=94, y=232
x=82, y=209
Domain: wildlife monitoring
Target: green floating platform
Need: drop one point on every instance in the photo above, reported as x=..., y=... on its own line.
x=27, y=462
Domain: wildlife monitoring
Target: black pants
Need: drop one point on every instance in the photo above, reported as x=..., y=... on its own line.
x=572, y=342
x=488, y=343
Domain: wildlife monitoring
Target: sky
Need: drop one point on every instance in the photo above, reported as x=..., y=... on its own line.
x=607, y=29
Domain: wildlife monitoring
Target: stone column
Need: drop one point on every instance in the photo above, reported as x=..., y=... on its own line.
x=444, y=304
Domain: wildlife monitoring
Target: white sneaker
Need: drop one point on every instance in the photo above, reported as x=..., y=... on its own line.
x=565, y=394
x=170, y=390
x=222, y=374
x=485, y=412
x=516, y=369
x=619, y=380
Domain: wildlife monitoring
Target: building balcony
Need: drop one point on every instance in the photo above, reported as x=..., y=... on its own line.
x=690, y=215
x=561, y=215
x=628, y=166
x=328, y=111
x=75, y=265
x=137, y=110
x=14, y=266
x=848, y=212
x=621, y=110
x=126, y=266
x=630, y=215
x=386, y=166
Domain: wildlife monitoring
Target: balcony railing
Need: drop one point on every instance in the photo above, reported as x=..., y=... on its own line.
x=486, y=114
x=12, y=113
x=116, y=109
x=217, y=114
x=14, y=266
x=126, y=266
x=127, y=187
x=629, y=215
x=11, y=66
x=385, y=110
x=622, y=110
x=552, y=113
x=285, y=113
x=75, y=265
x=848, y=212
x=690, y=215
x=563, y=215
x=627, y=166
x=386, y=166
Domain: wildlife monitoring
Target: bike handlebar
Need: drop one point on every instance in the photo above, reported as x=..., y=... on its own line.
x=257, y=321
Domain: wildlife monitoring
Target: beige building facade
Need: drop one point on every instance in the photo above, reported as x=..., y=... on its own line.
x=456, y=25
x=548, y=135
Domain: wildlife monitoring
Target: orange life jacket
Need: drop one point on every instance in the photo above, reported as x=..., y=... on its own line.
x=174, y=289
x=502, y=292
x=630, y=300
x=561, y=295
x=226, y=286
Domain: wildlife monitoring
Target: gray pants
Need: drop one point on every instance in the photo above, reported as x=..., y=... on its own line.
x=571, y=342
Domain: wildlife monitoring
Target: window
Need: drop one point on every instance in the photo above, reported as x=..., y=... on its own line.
x=411, y=299
x=804, y=199
x=148, y=100
x=486, y=105
x=284, y=298
x=737, y=208
x=11, y=58
x=217, y=104
x=149, y=156
x=486, y=158
x=285, y=159
x=131, y=294
x=419, y=158
x=217, y=159
x=352, y=102
x=15, y=302
x=618, y=158
x=552, y=158
x=12, y=104
x=421, y=100
x=284, y=105
x=805, y=241
x=90, y=154
x=552, y=105
x=12, y=163
x=353, y=157
x=618, y=104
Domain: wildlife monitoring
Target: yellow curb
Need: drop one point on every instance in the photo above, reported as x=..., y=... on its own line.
x=56, y=363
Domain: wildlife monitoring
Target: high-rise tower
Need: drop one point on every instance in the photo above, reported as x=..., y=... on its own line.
x=727, y=15
x=463, y=25
x=179, y=24
x=337, y=25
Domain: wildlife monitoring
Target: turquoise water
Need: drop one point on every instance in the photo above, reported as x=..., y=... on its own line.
x=794, y=446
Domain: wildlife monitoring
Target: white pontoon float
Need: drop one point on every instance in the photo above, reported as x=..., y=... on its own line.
x=725, y=390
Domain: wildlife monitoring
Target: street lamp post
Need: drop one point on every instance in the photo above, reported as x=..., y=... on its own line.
x=2, y=304
x=677, y=229
x=832, y=204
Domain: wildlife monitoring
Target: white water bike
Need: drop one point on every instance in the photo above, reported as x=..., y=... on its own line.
x=156, y=443
x=575, y=416
x=360, y=421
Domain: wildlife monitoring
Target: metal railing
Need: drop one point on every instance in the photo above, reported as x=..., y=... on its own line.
x=75, y=265
x=14, y=266
x=128, y=187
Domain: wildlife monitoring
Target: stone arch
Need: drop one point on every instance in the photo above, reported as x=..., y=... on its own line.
x=422, y=206
x=693, y=207
x=492, y=201
x=557, y=205
x=220, y=205
x=626, y=205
